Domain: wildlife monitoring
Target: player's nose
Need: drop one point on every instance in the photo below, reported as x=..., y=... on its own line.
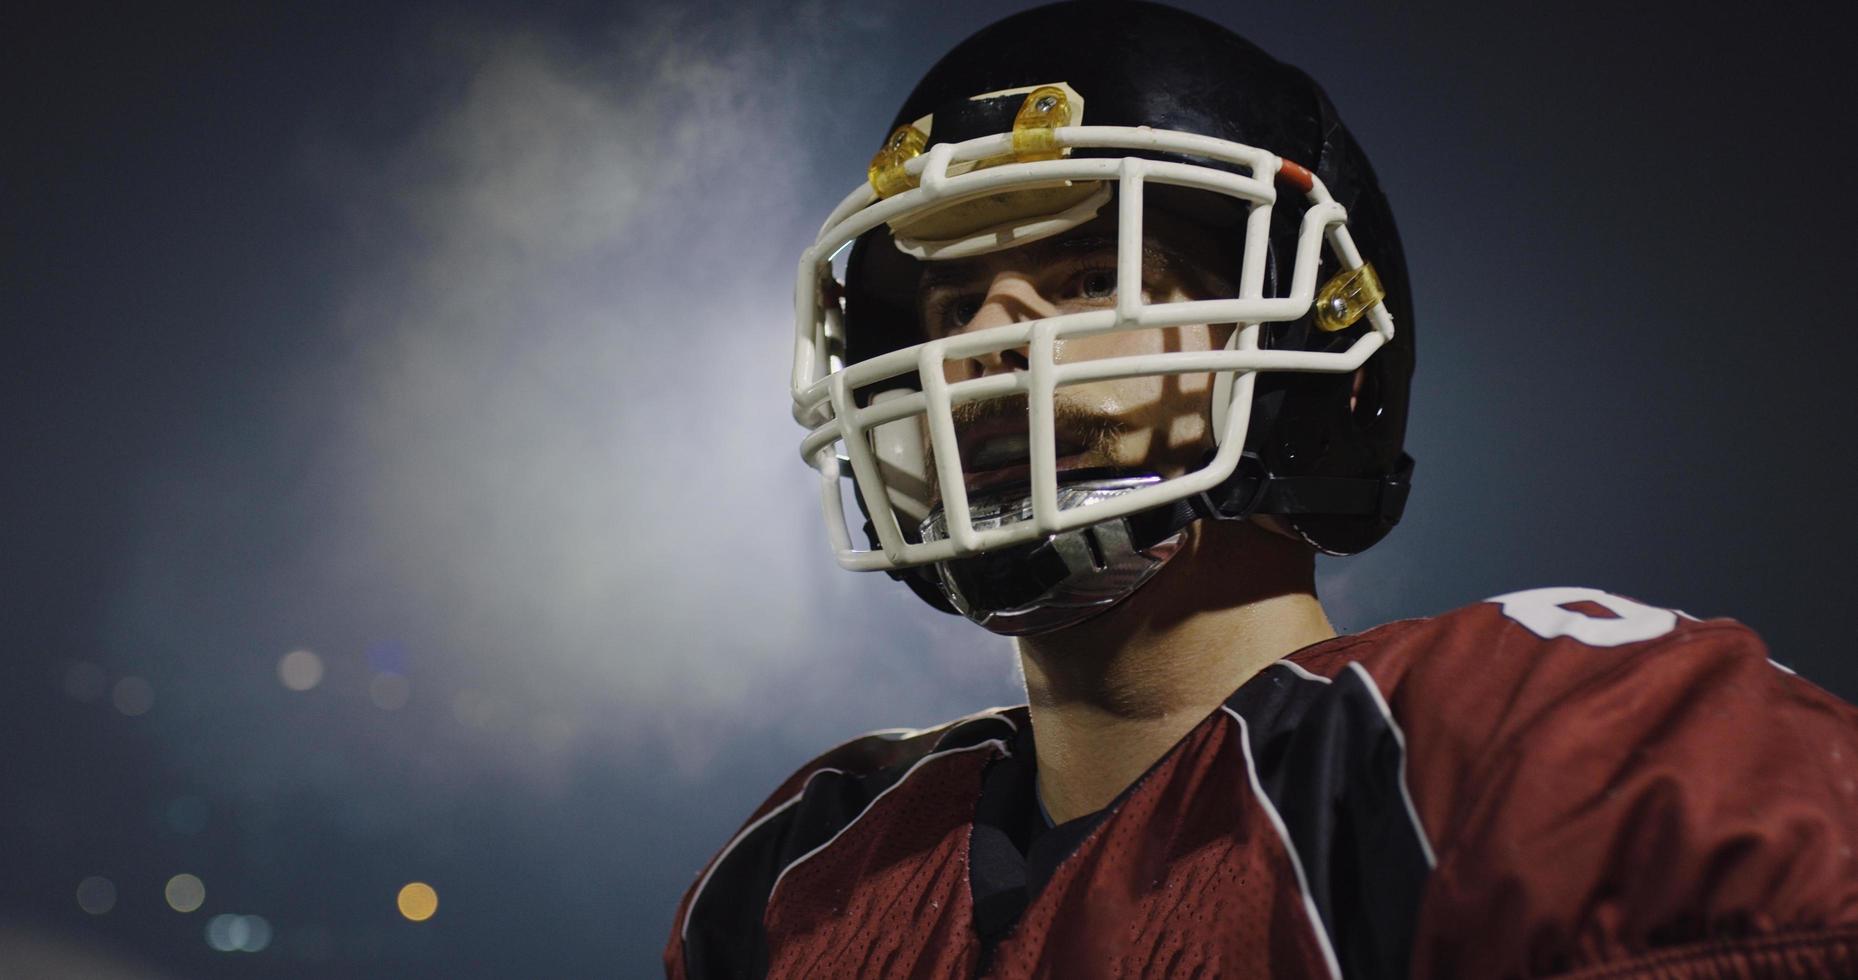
x=1011, y=298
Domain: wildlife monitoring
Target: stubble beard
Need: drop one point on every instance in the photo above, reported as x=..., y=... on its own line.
x=1098, y=434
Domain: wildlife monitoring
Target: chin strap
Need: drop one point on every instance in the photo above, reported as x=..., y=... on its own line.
x=1249, y=491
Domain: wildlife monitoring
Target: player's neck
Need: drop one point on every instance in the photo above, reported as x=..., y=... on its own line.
x=1112, y=695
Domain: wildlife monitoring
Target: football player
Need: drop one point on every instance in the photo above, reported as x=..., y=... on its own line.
x=1120, y=337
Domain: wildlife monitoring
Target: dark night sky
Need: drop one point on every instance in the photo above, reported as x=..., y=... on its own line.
x=451, y=346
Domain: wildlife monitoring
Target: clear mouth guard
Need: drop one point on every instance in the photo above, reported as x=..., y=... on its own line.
x=1015, y=504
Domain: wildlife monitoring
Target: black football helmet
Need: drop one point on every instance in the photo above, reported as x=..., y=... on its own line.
x=1034, y=126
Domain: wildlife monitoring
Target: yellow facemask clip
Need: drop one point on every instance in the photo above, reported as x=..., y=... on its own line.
x=886, y=172
x=1346, y=297
x=1035, y=127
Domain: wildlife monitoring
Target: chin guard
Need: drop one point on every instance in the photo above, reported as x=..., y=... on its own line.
x=1062, y=580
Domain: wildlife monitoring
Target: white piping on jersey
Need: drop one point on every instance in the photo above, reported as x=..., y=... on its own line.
x=888, y=734
x=896, y=734
x=996, y=714
x=740, y=836
x=1300, y=671
x=1290, y=848
x=1406, y=795
x=796, y=862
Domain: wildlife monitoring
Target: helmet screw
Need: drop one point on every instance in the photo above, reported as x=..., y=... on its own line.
x=1338, y=307
x=1045, y=103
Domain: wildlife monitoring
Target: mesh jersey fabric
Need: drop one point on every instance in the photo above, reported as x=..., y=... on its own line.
x=1524, y=788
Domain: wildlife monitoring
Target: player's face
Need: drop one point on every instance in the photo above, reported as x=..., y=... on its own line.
x=1161, y=424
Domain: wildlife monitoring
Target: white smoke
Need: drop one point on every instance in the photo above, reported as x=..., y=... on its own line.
x=554, y=460
x=575, y=411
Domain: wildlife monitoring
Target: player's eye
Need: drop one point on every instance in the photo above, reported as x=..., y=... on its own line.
x=1097, y=284
x=946, y=314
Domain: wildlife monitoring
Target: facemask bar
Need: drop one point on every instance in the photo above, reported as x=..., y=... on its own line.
x=823, y=388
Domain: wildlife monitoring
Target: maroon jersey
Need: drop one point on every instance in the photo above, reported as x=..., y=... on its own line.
x=1553, y=782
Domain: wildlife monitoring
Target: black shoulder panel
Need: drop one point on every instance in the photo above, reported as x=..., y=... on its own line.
x=1331, y=761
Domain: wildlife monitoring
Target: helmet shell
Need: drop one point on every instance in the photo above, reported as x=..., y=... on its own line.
x=1146, y=64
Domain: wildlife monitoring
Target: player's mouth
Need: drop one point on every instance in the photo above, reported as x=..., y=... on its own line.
x=990, y=461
